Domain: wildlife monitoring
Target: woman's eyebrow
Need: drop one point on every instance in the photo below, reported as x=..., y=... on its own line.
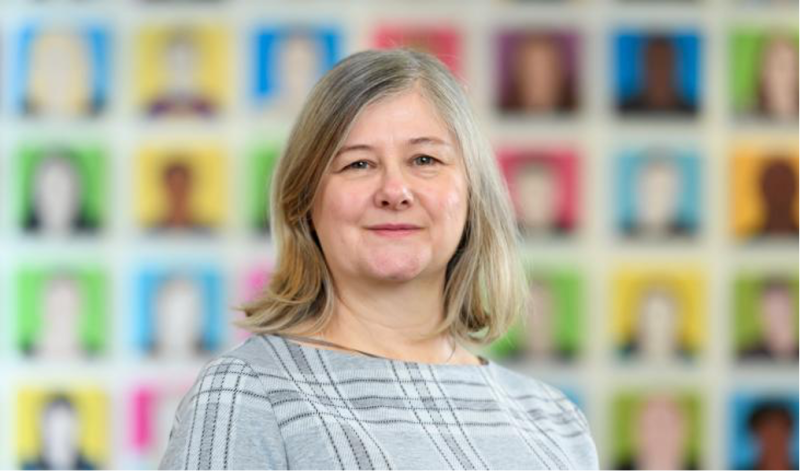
x=354, y=147
x=428, y=140
x=412, y=141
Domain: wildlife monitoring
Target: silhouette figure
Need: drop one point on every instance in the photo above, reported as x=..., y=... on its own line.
x=778, y=186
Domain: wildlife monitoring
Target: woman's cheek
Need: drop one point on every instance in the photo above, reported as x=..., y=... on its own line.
x=347, y=204
x=448, y=206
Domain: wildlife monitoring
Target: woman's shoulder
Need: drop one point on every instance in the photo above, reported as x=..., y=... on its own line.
x=517, y=382
x=544, y=401
x=230, y=395
x=257, y=354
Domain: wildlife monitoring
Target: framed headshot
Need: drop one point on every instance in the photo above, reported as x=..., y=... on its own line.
x=658, y=316
x=554, y=330
x=61, y=188
x=764, y=73
x=182, y=70
x=763, y=192
x=657, y=73
x=152, y=408
x=537, y=72
x=62, y=312
x=658, y=193
x=763, y=434
x=765, y=319
x=60, y=70
x=253, y=282
x=444, y=42
x=62, y=429
x=657, y=429
x=180, y=312
x=288, y=60
x=263, y=158
x=544, y=189
x=181, y=188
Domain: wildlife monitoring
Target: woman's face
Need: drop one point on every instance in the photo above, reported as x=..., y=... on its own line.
x=398, y=165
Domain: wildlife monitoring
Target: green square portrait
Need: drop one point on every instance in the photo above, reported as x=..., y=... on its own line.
x=555, y=327
x=763, y=74
x=656, y=430
x=61, y=188
x=765, y=317
x=263, y=158
x=61, y=311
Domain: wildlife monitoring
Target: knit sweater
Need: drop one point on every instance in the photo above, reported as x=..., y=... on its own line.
x=271, y=403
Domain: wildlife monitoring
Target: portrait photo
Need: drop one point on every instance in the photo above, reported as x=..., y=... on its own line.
x=657, y=429
x=658, y=194
x=61, y=71
x=62, y=188
x=180, y=313
x=181, y=188
x=287, y=61
x=765, y=319
x=544, y=187
x=263, y=157
x=152, y=406
x=252, y=282
x=538, y=72
x=62, y=312
x=62, y=428
x=554, y=329
x=764, y=73
x=763, y=192
x=763, y=433
x=182, y=70
x=658, y=314
x=442, y=41
x=657, y=73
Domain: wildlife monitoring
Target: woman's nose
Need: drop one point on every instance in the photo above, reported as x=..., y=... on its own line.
x=394, y=191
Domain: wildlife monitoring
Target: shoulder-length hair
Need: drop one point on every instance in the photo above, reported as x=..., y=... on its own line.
x=485, y=288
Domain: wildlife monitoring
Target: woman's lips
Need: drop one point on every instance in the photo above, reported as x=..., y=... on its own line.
x=394, y=231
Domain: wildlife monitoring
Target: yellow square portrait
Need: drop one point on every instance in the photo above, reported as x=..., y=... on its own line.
x=181, y=187
x=182, y=70
x=657, y=313
x=62, y=429
x=763, y=189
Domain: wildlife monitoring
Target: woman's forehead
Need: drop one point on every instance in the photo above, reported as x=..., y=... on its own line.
x=405, y=117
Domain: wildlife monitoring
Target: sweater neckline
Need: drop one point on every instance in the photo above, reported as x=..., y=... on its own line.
x=347, y=359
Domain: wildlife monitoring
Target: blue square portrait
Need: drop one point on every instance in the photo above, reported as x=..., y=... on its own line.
x=179, y=311
x=657, y=193
x=288, y=61
x=657, y=73
x=60, y=71
x=764, y=431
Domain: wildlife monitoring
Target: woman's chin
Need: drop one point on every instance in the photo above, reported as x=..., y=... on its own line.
x=396, y=270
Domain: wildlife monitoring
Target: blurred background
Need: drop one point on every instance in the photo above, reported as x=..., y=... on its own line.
x=650, y=148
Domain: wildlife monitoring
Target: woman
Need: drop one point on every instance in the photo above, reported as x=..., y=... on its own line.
x=396, y=248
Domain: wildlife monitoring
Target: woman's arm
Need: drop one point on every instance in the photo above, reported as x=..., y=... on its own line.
x=225, y=422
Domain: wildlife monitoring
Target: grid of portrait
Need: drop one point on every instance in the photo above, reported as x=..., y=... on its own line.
x=649, y=148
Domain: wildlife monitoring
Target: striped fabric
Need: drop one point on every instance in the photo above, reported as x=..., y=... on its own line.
x=271, y=403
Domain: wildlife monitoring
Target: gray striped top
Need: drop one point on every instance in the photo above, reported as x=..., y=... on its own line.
x=271, y=403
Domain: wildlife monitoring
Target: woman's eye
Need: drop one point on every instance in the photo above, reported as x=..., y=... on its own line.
x=356, y=165
x=425, y=160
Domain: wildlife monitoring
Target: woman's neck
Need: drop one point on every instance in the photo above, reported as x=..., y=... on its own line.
x=388, y=320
